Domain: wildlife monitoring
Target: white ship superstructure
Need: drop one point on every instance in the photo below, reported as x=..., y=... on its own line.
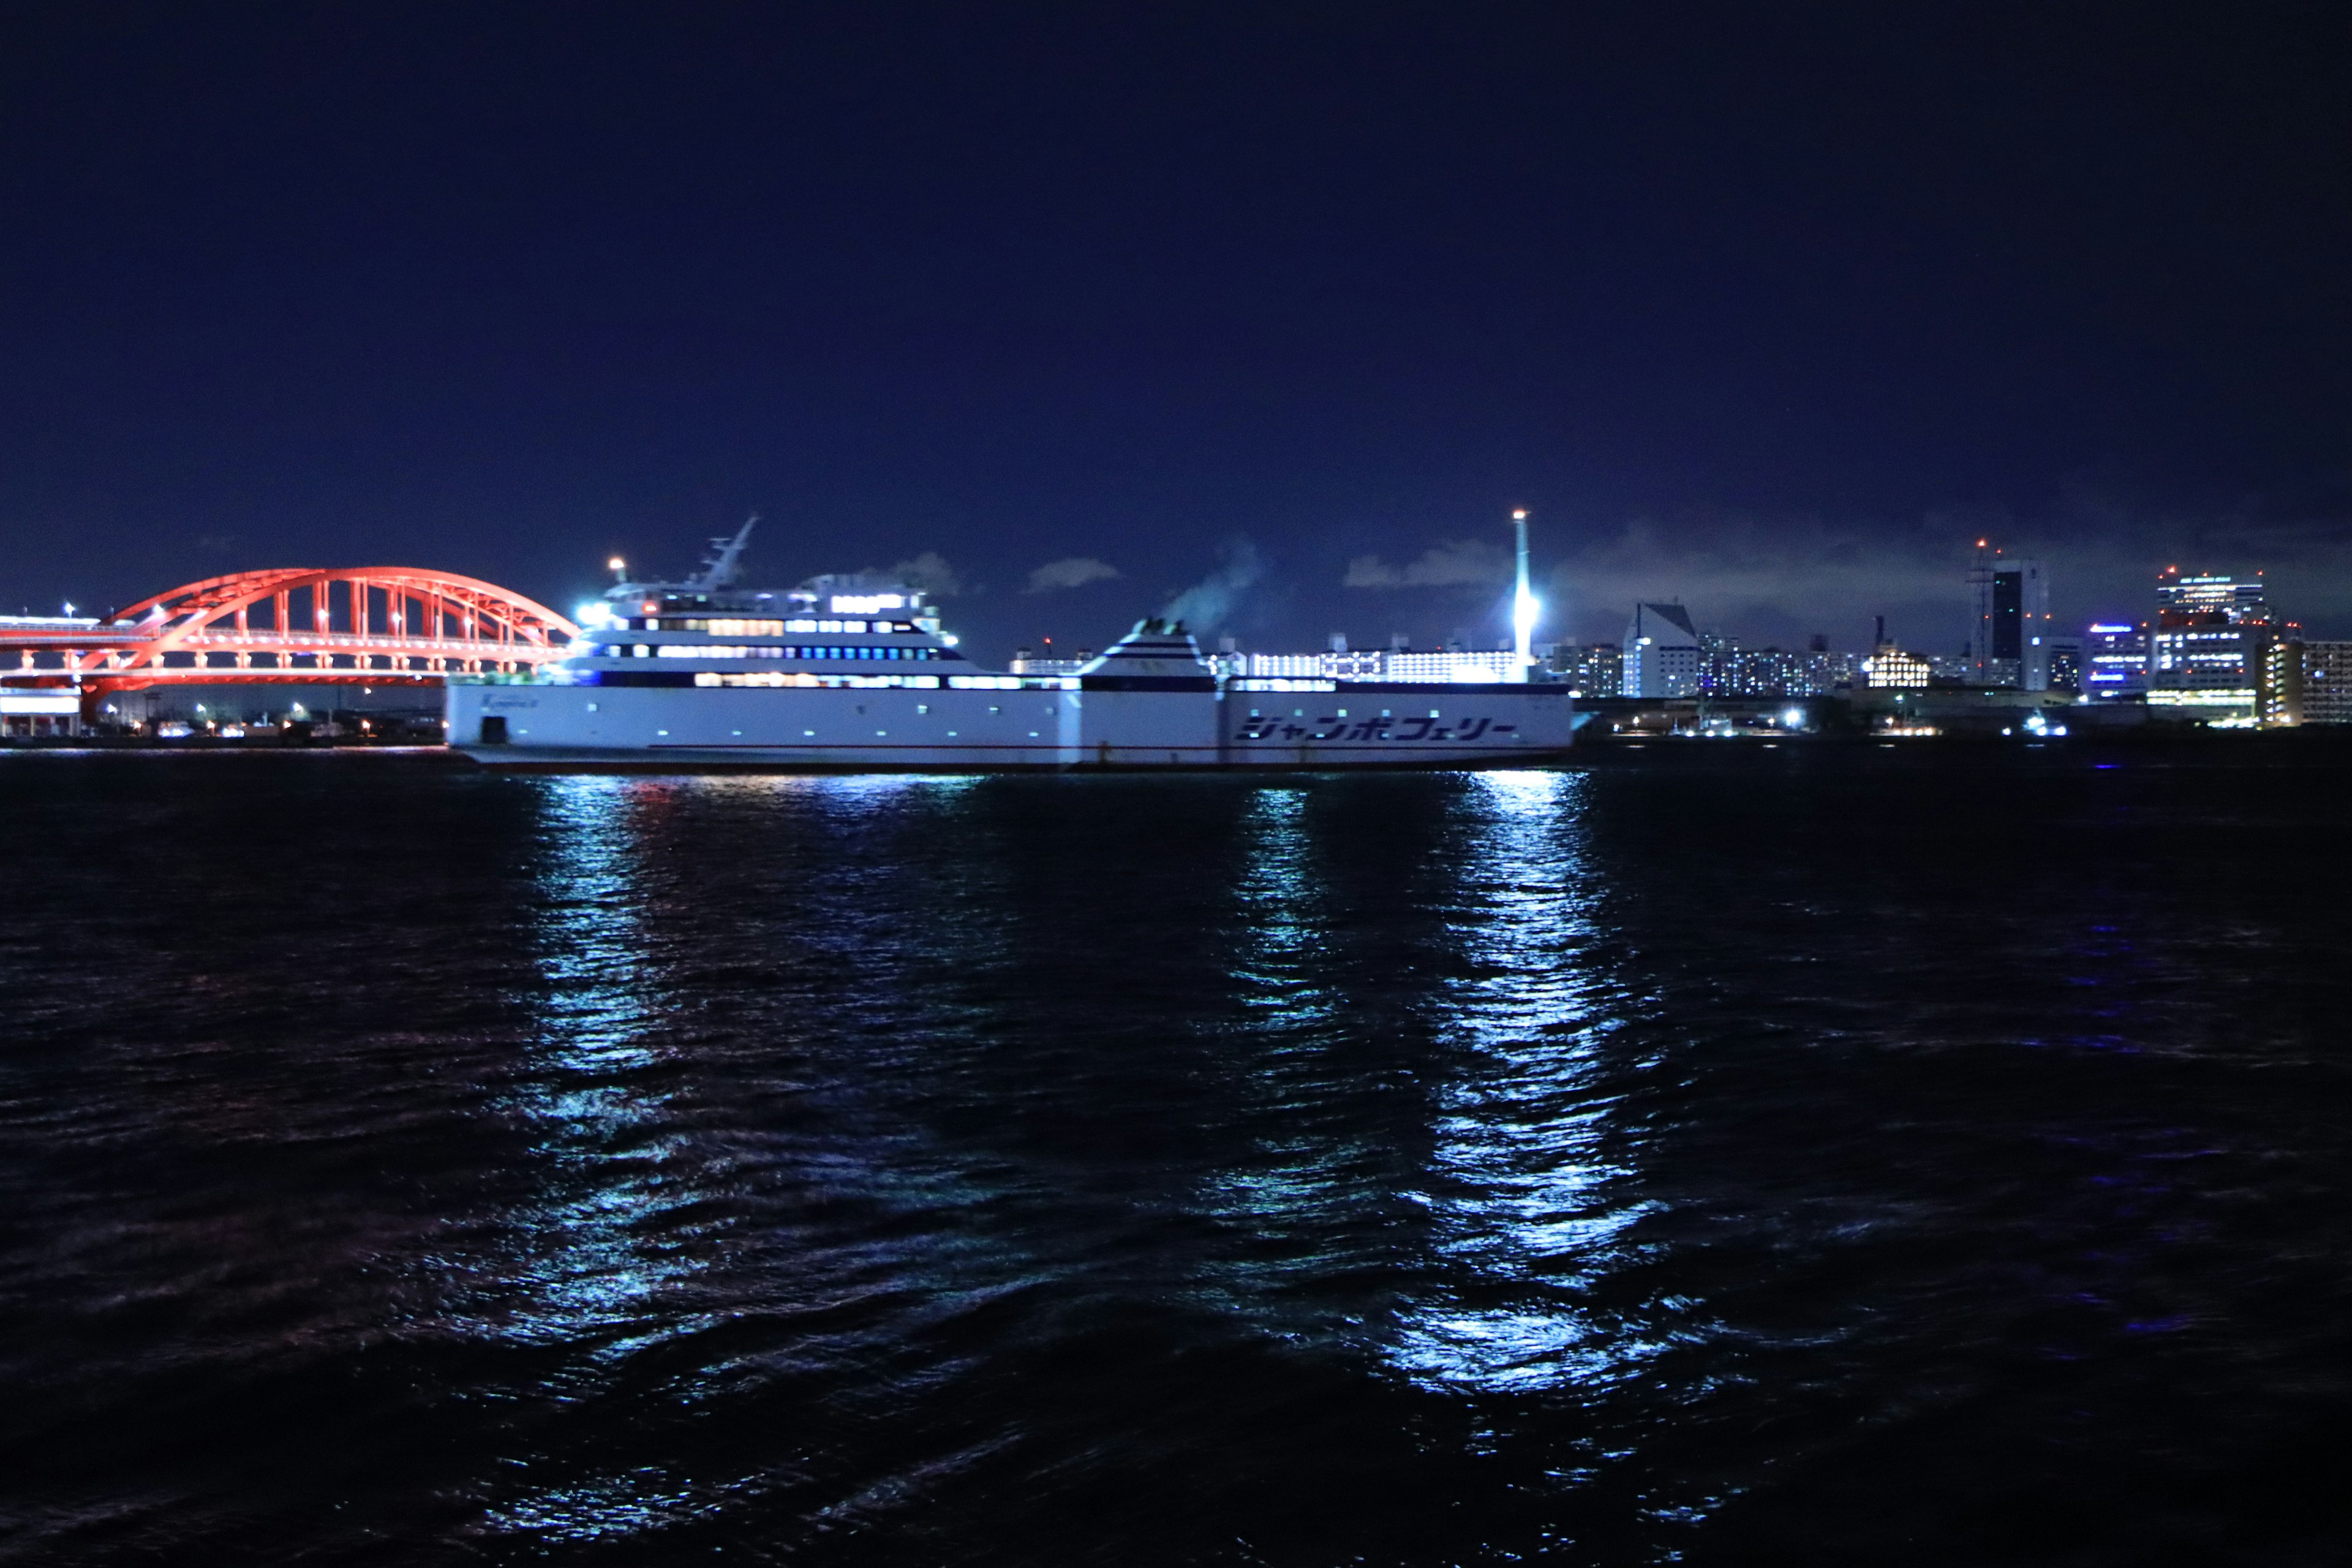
x=846, y=673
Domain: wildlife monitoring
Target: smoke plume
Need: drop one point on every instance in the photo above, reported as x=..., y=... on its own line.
x=1211, y=601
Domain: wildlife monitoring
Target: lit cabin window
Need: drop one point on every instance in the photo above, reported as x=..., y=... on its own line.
x=728, y=627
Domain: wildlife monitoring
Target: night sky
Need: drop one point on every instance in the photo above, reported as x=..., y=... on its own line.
x=1772, y=308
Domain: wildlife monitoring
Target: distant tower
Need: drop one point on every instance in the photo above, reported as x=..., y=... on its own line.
x=2012, y=645
x=1524, y=608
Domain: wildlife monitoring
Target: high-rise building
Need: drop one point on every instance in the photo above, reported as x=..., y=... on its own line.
x=1660, y=652
x=2278, y=687
x=2065, y=664
x=1594, y=669
x=2209, y=656
x=2012, y=645
x=1826, y=671
x=2115, y=661
x=2328, y=682
x=1728, y=670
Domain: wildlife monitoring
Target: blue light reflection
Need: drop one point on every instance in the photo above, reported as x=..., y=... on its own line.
x=1522, y=1194
x=589, y=1261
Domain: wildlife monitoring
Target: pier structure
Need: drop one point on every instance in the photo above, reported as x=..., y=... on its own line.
x=373, y=626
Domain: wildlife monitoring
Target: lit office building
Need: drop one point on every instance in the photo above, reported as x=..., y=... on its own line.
x=2208, y=656
x=2114, y=662
x=1727, y=669
x=2065, y=664
x=2278, y=692
x=1891, y=666
x=1455, y=664
x=1285, y=666
x=1594, y=669
x=1660, y=653
x=2011, y=646
x=2328, y=682
x=1360, y=664
x=1826, y=671
x=1342, y=663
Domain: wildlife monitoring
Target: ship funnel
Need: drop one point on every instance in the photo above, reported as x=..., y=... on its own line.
x=1156, y=648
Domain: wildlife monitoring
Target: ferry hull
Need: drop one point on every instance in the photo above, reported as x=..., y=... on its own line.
x=1038, y=728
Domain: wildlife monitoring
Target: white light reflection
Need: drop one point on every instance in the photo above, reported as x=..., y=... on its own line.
x=638, y=1237
x=598, y=1256
x=1310, y=1209
x=1521, y=1213
x=592, y=1261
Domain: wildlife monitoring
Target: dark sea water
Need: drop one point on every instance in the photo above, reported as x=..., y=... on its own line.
x=1715, y=1156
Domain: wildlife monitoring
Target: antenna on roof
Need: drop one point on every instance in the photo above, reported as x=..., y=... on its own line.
x=718, y=566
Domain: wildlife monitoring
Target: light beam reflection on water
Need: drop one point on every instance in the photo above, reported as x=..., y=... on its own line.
x=589, y=1263
x=779, y=937
x=596, y=1254
x=1521, y=1194
x=1303, y=1201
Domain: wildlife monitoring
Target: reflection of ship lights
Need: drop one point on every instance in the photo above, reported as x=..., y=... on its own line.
x=1524, y=1198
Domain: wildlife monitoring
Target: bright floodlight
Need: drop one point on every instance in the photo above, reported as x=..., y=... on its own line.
x=1793, y=718
x=1525, y=611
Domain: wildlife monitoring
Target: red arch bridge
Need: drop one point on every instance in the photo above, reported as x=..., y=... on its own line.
x=372, y=625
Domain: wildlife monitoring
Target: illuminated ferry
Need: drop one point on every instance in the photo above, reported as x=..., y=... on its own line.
x=846, y=674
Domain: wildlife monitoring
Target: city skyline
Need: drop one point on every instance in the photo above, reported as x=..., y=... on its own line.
x=1772, y=313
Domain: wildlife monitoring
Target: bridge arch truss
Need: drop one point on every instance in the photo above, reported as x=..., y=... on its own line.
x=373, y=624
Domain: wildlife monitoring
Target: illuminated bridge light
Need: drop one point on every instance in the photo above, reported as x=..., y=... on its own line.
x=344, y=626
